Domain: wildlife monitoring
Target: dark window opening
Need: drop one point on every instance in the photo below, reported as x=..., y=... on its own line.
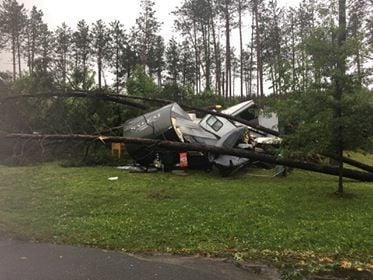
x=214, y=123
x=249, y=114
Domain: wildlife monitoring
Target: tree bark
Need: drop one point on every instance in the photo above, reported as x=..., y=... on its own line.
x=252, y=55
x=353, y=163
x=19, y=56
x=99, y=69
x=339, y=79
x=196, y=53
x=228, y=71
x=241, y=46
x=293, y=53
x=14, y=57
x=117, y=66
x=258, y=52
x=216, y=50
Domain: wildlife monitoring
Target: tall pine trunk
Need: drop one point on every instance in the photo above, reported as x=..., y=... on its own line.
x=241, y=46
x=117, y=67
x=32, y=54
x=99, y=69
x=206, y=46
x=251, y=54
x=258, y=52
x=216, y=50
x=228, y=66
x=293, y=54
x=196, y=53
x=14, y=57
x=64, y=70
x=340, y=75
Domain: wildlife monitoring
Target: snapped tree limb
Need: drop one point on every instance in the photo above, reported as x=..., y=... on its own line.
x=354, y=163
x=76, y=94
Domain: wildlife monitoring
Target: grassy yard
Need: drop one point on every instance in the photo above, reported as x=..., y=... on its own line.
x=253, y=216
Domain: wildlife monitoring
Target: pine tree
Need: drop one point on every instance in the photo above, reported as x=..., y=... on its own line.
x=216, y=43
x=118, y=46
x=355, y=28
x=340, y=88
x=226, y=7
x=157, y=62
x=47, y=46
x=82, y=49
x=33, y=42
x=242, y=7
x=173, y=61
x=334, y=115
x=100, y=47
x=187, y=65
x=145, y=32
x=258, y=45
x=63, y=44
x=130, y=56
x=12, y=24
x=195, y=21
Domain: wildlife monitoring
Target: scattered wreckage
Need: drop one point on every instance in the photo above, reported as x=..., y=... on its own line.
x=172, y=123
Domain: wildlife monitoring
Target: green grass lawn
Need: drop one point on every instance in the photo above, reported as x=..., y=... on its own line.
x=250, y=215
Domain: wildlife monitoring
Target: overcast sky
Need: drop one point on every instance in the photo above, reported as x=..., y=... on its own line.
x=71, y=11
x=126, y=11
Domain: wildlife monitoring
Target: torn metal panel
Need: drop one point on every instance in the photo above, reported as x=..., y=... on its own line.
x=229, y=141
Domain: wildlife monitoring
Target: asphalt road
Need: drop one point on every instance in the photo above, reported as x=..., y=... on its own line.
x=34, y=261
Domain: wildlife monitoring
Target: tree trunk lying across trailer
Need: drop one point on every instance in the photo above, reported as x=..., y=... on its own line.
x=177, y=146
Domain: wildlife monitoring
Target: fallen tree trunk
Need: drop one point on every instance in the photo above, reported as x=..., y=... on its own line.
x=106, y=97
x=177, y=146
x=123, y=99
x=354, y=163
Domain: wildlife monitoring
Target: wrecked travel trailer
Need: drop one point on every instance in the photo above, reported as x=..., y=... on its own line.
x=172, y=123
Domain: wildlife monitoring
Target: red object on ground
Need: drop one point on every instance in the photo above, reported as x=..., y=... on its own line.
x=183, y=160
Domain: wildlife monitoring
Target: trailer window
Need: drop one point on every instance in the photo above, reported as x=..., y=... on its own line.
x=249, y=114
x=214, y=123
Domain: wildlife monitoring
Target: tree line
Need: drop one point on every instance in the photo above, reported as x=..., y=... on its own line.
x=281, y=56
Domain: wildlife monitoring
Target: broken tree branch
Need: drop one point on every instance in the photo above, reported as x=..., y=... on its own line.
x=77, y=94
x=354, y=163
x=177, y=146
x=123, y=99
